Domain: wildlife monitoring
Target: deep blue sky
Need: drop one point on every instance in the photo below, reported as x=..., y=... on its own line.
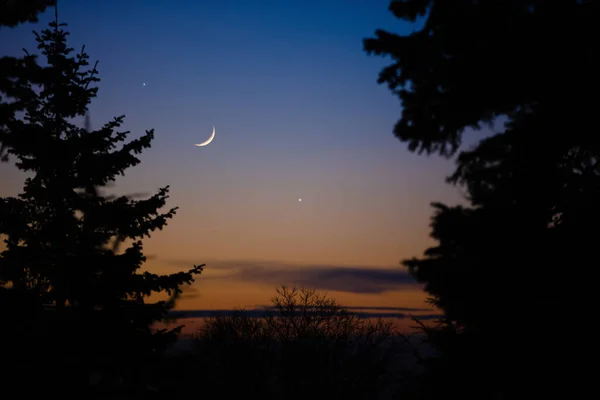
x=298, y=113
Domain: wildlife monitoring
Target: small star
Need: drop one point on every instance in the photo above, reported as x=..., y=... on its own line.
x=299, y=199
x=143, y=83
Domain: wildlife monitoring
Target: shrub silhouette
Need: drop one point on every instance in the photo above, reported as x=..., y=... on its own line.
x=305, y=345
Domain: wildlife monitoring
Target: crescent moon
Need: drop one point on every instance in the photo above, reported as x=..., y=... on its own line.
x=210, y=139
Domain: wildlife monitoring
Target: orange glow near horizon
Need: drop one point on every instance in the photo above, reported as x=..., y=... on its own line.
x=266, y=233
x=317, y=128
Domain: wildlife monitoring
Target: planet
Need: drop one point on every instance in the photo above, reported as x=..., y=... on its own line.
x=210, y=139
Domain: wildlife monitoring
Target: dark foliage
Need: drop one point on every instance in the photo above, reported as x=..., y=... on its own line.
x=15, y=12
x=67, y=294
x=475, y=60
x=510, y=262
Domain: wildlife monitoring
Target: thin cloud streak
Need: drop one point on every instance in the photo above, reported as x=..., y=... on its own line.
x=351, y=279
x=398, y=309
x=260, y=312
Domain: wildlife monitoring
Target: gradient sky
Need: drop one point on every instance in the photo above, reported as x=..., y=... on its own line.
x=298, y=114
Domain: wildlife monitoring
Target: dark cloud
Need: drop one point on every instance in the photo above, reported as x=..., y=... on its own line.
x=364, y=279
x=259, y=312
x=361, y=308
x=405, y=309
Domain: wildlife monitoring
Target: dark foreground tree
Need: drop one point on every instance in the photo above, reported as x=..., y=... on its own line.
x=76, y=309
x=15, y=12
x=511, y=261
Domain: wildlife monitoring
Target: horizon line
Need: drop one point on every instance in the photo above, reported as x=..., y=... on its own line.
x=261, y=312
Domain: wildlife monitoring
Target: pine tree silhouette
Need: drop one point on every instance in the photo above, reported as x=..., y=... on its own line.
x=63, y=282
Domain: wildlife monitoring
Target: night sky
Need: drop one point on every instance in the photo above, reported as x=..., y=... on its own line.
x=298, y=114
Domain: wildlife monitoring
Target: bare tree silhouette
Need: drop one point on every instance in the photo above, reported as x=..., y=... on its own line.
x=306, y=346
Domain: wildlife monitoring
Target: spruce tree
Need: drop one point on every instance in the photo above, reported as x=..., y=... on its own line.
x=12, y=14
x=65, y=290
